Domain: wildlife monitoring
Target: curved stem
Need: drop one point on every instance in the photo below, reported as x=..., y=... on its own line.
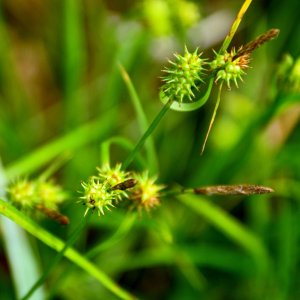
x=186, y=107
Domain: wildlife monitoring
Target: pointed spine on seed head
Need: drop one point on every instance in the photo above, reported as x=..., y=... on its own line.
x=183, y=76
x=229, y=68
x=146, y=193
x=106, y=189
x=99, y=195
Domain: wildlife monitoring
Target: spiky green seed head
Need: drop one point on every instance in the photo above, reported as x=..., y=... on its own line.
x=98, y=191
x=112, y=175
x=22, y=194
x=145, y=194
x=99, y=195
x=183, y=76
x=49, y=194
x=229, y=67
x=27, y=194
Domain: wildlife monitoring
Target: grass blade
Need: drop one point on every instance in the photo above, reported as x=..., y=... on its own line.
x=148, y=132
x=19, y=252
x=231, y=227
x=121, y=142
x=77, y=138
x=142, y=120
x=50, y=240
x=235, y=26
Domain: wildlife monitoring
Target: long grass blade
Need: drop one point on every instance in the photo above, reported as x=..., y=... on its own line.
x=142, y=120
x=148, y=132
x=53, y=242
x=19, y=252
x=230, y=226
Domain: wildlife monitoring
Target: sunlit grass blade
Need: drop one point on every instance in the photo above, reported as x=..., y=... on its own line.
x=56, y=260
x=235, y=26
x=19, y=252
x=122, y=231
x=50, y=240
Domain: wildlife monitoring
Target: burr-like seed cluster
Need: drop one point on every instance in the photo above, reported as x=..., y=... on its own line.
x=183, y=76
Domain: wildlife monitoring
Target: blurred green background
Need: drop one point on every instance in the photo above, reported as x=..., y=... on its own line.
x=61, y=88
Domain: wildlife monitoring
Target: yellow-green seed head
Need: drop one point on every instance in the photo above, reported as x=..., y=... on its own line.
x=229, y=67
x=22, y=194
x=111, y=175
x=27, y=194
x=99, y=195
x=183, y=77
x=145, y=194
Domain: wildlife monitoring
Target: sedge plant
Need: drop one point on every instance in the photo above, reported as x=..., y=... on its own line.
x=187, y=83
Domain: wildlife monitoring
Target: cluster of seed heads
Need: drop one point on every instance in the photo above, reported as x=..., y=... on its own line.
x=186, y=73
x=41, y=196
x=113, y=185
x=229, y=69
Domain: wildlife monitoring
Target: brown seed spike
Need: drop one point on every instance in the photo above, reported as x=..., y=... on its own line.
x=241, y=189
x=127, y=184
x=53, y=214
x=260, y=40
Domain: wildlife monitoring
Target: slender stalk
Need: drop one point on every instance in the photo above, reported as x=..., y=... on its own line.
x=235, y=26
x=142, y=120
x=213, y=117
x=148, y=132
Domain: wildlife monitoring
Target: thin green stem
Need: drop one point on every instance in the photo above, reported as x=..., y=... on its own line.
x=186, y=107
x=142, y=120
x=235, y=26
x=148, y=132
x=213, y=117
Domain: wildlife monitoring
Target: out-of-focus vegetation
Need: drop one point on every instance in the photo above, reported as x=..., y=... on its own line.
x=62, y=98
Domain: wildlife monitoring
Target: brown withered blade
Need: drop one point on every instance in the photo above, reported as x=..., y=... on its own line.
x=241, y=189
x=256, y=43
x=127, y=184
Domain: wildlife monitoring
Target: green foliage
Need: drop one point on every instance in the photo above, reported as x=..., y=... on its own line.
x=79, y=82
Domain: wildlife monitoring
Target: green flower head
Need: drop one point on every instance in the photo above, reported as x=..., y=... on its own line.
x=183, y=77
